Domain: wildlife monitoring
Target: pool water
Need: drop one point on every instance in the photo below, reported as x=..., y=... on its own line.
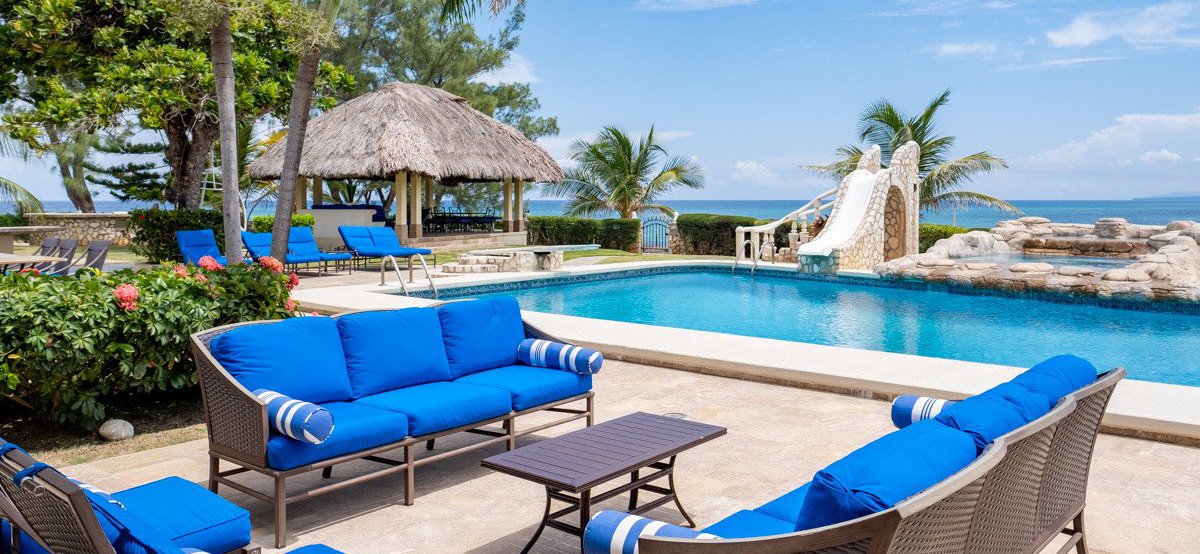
x=1153, y=346
x=1053, y=259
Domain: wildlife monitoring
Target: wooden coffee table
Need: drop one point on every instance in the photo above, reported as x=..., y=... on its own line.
x=571, y=465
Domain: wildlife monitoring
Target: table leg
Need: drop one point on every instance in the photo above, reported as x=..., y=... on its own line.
x=585, y=513
x=633, y=494
x=675, y=493
x=541, y=526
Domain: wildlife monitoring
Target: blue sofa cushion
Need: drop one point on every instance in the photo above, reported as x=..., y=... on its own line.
x=611, y=532
x=393, y=349
x=908, y=409
x=359, y=427
x=557, y=355
x=481, y=334
x=786, y=507
x=296, y=419
x=189, y=514
x=984, y=417
x=299, y=357
x=1058, y=376
x=531, y=386
x=885, y=472
x=745, y=524
x=1031, y=405
x=439, y=406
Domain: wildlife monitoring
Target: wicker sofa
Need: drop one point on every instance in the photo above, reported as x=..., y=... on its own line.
x=392, y=381
x=1023, y=486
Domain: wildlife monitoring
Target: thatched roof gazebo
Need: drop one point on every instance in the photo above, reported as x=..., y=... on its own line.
x=414, y=134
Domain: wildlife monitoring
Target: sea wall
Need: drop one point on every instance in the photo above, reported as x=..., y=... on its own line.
x=85, y=227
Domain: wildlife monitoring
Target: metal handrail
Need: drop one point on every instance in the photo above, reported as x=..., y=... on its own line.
x=736, y=259
x=400, y=276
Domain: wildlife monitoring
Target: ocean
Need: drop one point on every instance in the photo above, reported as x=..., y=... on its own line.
x=1156, y=211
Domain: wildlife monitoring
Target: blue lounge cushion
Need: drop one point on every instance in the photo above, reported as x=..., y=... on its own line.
x=883, y=473
x=257, y=244
x=197, y=244
x=376, y=242
x=302, y=258
x=335, y=257
x=439, y=406
x=299, y=357
x=1058, y=376
x=786, y=507
x=315, y=549
x=189, y=514
x=296, y=419
x=531, y=386
x=359, y=427
x=557, y=355
x=611, y=532
x=908, y=409
x=746, y=523
x=984, y=417
x=481, y=334
x=387, y=350
x=302, y=241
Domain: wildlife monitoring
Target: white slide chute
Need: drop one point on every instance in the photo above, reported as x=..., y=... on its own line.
x=845, y=221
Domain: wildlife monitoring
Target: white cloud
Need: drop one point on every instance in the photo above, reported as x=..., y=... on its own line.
x=687, y=5
x=1159, y=156
x=1159, y=25
x=1063, y=63
x=1000, y=5
x=1129, y=136
x=1196, y=159
x=750, y=170
x=673, y=134
x=518, y=69
x=963, y=49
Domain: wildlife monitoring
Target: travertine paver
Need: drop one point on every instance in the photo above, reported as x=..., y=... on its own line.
x=1145, y=496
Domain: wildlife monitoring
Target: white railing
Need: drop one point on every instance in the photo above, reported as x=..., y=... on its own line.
x=754, y=235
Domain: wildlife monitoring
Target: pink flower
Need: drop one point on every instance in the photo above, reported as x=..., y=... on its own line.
x=314, y=313
x=127, y=296
x=290, y=305
x=181, y=271
x=201, y=277
x=210, y=263
x=30, y=271
x=272, y=265
x=292, y=280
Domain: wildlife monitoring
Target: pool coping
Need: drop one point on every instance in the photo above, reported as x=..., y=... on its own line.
x=1157, y=411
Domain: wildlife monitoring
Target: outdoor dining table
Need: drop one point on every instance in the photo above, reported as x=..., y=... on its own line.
x=7, y=234
x=22, y=260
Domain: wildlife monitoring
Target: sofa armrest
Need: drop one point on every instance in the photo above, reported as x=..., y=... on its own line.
x=610, y=531
x=236, y=418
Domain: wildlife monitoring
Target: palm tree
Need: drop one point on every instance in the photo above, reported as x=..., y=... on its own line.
x=942, y=179
x=222, y=60
x=612, y=173
x=15, y=194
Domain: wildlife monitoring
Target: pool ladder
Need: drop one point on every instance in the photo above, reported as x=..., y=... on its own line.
x=400, y=276
x=742, y=248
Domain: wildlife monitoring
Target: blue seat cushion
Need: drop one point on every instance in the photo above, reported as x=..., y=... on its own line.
x=356, y=427
x=746, y=524
x=786, y=507
x=984, y=417
x=336, y=257
x=1058, y=376
x=481, y=334
x=315, y=549
x=388, y=350
x=885, y=472
x=397, y=251
x=531, y=386
x=189, y=514
x=257, y=244
x=1031, y=405
x=439, y=406
x=303, y=258
x=299, y=357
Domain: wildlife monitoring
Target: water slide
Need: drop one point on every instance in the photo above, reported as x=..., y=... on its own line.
x=847, y=216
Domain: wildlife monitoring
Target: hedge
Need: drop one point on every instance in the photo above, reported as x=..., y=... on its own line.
x=154, y=230
x=930, y=233
x=263, y=223
x=13, y=220
x=620, y=234
x=69, y=345
x=710, y=233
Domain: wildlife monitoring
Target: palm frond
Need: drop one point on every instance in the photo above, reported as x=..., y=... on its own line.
x=18, y=196
x=965, y=198
x=849, y=155
x=466, y=9
x=955, y=174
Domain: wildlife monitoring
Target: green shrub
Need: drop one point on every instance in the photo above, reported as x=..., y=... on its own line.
x=69, y=345
x=710, y=233
x=557, y=229
x=154, y=230
x=13, y=220
x=930, y=233
x=263, y=223
x=620, y=234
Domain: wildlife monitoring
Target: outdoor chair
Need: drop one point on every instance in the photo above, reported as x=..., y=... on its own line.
x=197, y=244
x=259, y=246
x=301, y=242
x=49, y=247
x=66, y=250
x=1002, y=472
x=92, y=257
x=383, y=244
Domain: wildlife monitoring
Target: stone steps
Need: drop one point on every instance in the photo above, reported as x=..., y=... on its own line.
x=456, y=267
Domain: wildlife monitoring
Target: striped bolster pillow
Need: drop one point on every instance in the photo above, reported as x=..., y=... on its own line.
x=908, y=409
x=556, y=355
x=300, y=420
x=103, y=495
x=612, y=532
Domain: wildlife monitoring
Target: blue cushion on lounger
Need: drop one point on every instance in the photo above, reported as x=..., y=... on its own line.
x=197, y=244
x=884, y=472
x=611, y=532
x=434, y=407
x=299, y=357
x=189, y=514
x=1058, y=376
x=315, y=549
x=786, y=507
x=257, y=244
x=984, y=417
x=745, y=524
x=392, y=350
x=531, y=386
x=359, y=427
x=481, y=334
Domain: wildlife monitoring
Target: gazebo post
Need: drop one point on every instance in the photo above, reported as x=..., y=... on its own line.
x=318, y=191
x=301, y=194
x=414, y=208
x=400, y=192
x=508, y=219
x=519, y=206
x=429, y=193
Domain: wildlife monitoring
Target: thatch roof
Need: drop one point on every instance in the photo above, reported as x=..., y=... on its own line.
x=405, y=127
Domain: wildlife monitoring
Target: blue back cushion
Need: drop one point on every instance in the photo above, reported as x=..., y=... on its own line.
x=481, y=334
x=391, y=350
x=302, y=241
x=1031, y=405
x=1058, y=376
x=355, y=237
x=384, y=237
x=299, y=357
x=258, y=244
x=197, y=244
x=884, y=472
x=983, y=417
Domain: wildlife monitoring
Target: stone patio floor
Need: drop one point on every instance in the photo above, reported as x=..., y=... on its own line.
x=1144, y=496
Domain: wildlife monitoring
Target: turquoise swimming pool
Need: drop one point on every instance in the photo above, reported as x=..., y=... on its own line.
x=1153, y=346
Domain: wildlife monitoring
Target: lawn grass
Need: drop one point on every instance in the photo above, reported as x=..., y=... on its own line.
x=116, y=254
x=611, y=256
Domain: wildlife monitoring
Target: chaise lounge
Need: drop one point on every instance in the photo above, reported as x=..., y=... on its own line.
x=381, y=243
x=391, y=380
x=1004, y=471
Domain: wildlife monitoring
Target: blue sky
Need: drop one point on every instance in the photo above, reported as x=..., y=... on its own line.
x=1084, y=99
